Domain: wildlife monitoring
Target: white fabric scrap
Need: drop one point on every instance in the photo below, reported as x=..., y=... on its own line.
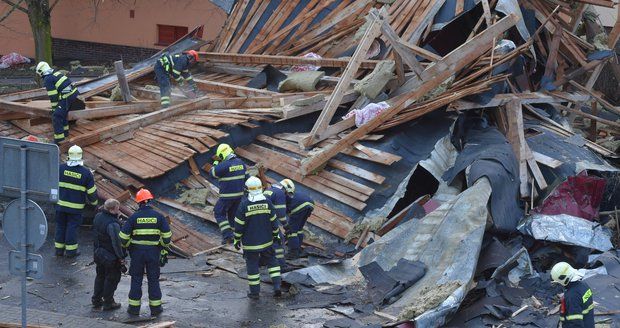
x=303, y=68
x=364, y=115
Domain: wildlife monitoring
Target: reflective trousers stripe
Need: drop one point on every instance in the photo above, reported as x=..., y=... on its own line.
x=134, y=302
x=59, y=245
x=71, y=247
x=154, y=302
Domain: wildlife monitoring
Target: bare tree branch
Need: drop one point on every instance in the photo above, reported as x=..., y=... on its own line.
x=54, y=5
x=16, y=5
x=8, y=13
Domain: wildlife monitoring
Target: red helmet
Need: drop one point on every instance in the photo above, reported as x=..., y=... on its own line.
x=143, y=195
x=194, y=54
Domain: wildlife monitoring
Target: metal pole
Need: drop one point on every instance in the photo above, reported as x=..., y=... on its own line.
x=22, y=213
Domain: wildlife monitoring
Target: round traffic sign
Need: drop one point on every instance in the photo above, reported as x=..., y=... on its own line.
x=35, y=221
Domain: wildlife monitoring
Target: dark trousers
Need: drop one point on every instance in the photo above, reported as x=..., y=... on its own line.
x=279, y=249
x=108, y=277
x=252, y=260
x=59, y=119
x=144, y=259
x=66, y=232
x=163, y=81
x=295, y=236
x=225, y=210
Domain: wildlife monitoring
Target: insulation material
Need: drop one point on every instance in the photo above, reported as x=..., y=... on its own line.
x=12, y=59
x=301, y=81
x=578, y=196
x=438, y=241
x=303, y=68
x=373, y=84
x=364, y=115
x=568, y=230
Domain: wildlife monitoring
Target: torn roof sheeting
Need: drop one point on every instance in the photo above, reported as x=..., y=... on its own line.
x=447, y=241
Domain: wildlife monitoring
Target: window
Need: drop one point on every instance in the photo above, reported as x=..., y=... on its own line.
x=167, y=34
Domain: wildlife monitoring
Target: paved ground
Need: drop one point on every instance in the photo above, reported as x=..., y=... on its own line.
x=216, y=299
x=12, y=314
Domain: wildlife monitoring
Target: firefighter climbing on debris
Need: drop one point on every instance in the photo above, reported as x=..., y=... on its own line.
x=147, y=235
x=76, y=187
x=577, y=305
x=256, y=230
x=177, y=66
x=299, y=206
x=62, y=94
x=231, y=173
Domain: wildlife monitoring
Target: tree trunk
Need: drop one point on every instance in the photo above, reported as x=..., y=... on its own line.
x=40, y=23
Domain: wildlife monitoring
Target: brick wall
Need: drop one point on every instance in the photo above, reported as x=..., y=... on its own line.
x=64, y=49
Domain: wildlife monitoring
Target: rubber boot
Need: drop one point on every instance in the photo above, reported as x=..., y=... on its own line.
x=111, y=306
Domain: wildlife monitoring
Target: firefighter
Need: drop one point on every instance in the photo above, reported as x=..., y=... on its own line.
x=299, y=207
x=276, y=194
x=256, y=229
x=177, y=66
x=577, y=305
x=109, y=255
x=76, y=186
x=62, y=93
x=147, y=236
x=230, y=172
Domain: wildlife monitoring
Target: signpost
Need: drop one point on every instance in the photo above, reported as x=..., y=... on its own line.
x=28, y=170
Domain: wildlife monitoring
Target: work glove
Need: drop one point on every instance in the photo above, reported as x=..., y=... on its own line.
x=216, y=163
x=237, y=243
x=163, y=257
x=276, y=238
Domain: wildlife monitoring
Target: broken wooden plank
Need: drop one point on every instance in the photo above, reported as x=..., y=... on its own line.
x=232, y=89
x=546, y=160
x=280, y=60
x=187, y=209
x=122, y=80
x=101, y=112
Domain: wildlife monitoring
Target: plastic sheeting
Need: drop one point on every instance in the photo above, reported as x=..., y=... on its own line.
x=447, y=241
x=12, y=59
x=578, y=196
x=364, y=115
x=567, y=230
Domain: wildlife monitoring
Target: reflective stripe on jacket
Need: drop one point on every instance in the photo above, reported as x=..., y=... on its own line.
x=577, y=308
x=146, y=228
x=231, y=176
x=76, y=186
x=58, y=87
x=255, y=225
x=298, y=202
x=277, y=196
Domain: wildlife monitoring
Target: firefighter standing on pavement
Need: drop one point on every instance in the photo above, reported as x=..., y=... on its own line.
x=147, y=235
x=231, y=173
x=577, y=305
x=177, y=66
x=62, y=94
x=276, y=194
x=76, y=186
x=299, y=207
x=256, y=229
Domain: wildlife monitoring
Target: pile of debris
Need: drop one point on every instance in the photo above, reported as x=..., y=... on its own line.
x=459, y=143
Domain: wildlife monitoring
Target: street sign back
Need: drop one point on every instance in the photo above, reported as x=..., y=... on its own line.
x=36, y=225
x=42, y=162
x=35, y=264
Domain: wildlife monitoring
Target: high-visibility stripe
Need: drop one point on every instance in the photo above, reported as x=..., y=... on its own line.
x=590, y=308
x=59, y=245
x=190, y=78
x=279, y=256
x=213, y=172
x=92, y=190
x=54, y=103
x=257, y=247
x=71, y=247
x=165, y=98
x=275, y=231
x=166, y=234
x=175, y=71
x=66, y=128
x=145, y=242
x=60, y=81
x=275, y=274
x=300, y=207
x=71, y=205
x=238, y=235
x=574, y=317
x=133, y=302
x=224, y=223
x=258, y=212
x=239, y=221
x=279, y=206
x=67, y=95
x=254, y=276
x=253, y=283
x=53, y=92
x=71, y=186
x=236, y=194
x=154, y=302
x=273, y=218
x=279, y=250
x=146, y=232
x=282, y=220
x=586, y=295
x=236, y=177
x=274, y=269
x=59, y=135
x=267, y=192
x=123, y=235
x=293, y=234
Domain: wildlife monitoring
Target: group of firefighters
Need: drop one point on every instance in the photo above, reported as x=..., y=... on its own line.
x=248, y=217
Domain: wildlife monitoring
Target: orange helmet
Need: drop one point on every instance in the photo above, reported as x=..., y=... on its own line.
x=143, y=195
x=194, y=54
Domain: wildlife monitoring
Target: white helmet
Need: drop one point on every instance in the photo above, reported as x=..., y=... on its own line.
x=43, y=68
x=255, y=189
x=288, y=185
x=75, y=153
x=562, y=273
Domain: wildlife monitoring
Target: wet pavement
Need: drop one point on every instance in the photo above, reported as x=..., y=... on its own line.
x=194, y=293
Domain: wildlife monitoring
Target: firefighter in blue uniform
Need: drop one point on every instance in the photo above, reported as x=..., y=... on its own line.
x=76, y=187
x=299, y=207
x=577, y=305
x=147, y=235
x=177, y=66
x=62, y=94
x=256, y=229
x=230, y=171
x=276, y=194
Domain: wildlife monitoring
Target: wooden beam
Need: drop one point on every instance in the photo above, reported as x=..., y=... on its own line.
x=232, y=89
x=602, y=101
x=122, y=80
x=590, y=116
x=290, y=111
x=421, y=52
x=215, y=57
x=546, y=160
x=525, y=98
x=373, y=30
x=24, y=109
x=84, y=94
x=614, y=34
x=137, y=122
x=516, y=137
x=405, y=54
x=101, y=112
x=428, y=16
x=433, y=76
